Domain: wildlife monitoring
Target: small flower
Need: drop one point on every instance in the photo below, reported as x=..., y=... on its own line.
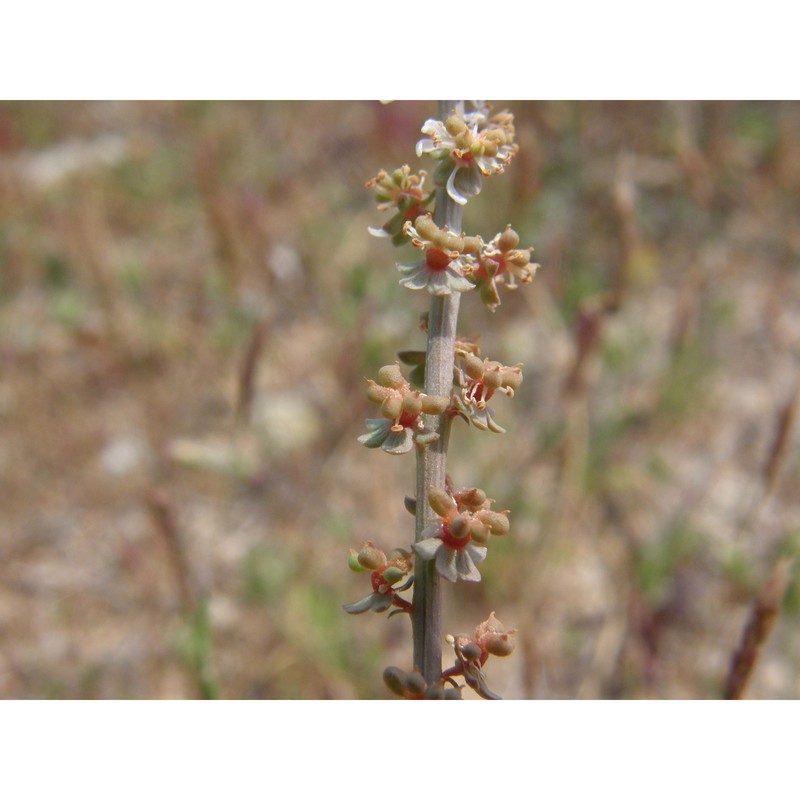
x=448, y=256
x=500, y=262
x=477, y=380
x=385, y=574
x=403, y=191
x=468, y=148
x=401, y=425
x=455, y=542
x=472, y=652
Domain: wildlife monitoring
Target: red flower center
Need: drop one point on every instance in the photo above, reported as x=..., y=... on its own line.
x=477, y=391
x=498, y=267
x=377, y=581
x=437, y=260
x=451, y=541
x=407, y=420
x=413, y=211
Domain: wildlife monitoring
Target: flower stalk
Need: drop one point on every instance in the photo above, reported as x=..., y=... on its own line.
x=426, y=617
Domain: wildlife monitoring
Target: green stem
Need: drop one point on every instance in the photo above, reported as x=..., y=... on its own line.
x=432, y=460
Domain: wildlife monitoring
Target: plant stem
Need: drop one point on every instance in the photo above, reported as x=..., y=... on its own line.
x=432, y=461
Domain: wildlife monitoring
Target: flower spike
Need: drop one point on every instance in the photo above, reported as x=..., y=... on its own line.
x=468, y=148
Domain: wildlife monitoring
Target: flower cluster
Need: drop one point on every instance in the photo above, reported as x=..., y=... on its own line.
x=401, y=190
x=468, y=148
x=385, y=573
x=412, y=686
x=456, y=542
x=448, y=257
x=477, y=380
x=501, y=262
x=489, y=638
x=402, y=407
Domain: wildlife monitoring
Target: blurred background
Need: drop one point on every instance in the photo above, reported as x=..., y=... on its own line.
x=189, y=305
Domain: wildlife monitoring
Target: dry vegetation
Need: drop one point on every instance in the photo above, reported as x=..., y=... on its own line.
x=189, y=303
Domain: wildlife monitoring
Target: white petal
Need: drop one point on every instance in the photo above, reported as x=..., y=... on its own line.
x=427, y=548
x=469, y=180
x=476, y=552
x=434, y=127
x=452, y=191
x=467, y=571
x=425, y=146
x=438, y=283
x=446, y=563
x=458, y=283
x=416, y=277
x=379, y=232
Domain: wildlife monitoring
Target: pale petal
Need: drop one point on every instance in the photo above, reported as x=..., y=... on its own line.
x=446, y=563
x=360, y=606
x=458, y=283
x=427, y=548
x=451, y=188
x=467, y=571
x=476, y=552
x=432, y=530
x=468, y=181
x=379, y=232
x=378, y=431
x=438, y=283
x=380, y=602
x=491, y=424
x=416, y=275
x=425, y=146
x=398, y=442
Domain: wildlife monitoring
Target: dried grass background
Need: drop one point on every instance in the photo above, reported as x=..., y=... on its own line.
x=189, y=304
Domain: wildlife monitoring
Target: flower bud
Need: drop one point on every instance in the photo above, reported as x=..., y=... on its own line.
x=354, y=563
x=512, y=378
x=493, y=379
x=471, y=499
x=441, y=502
x=500, y=644
x=370, y=557
x=473, y=366
x=376, y=393
x=464, y=140
x=508, y=240
x=415, y=683
x=490, y=148
x=520, y=258
x=455, y=125
x=449, y=242
x=395, y=679
x=391, y=376
x=471, y=245
x=459, y=526
x=426, y=227
x=478, y=532
x=392, y=406
x=471, y=652
x=434, y=403
x=412, y=404
x=392, y=574
x=496, y=522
